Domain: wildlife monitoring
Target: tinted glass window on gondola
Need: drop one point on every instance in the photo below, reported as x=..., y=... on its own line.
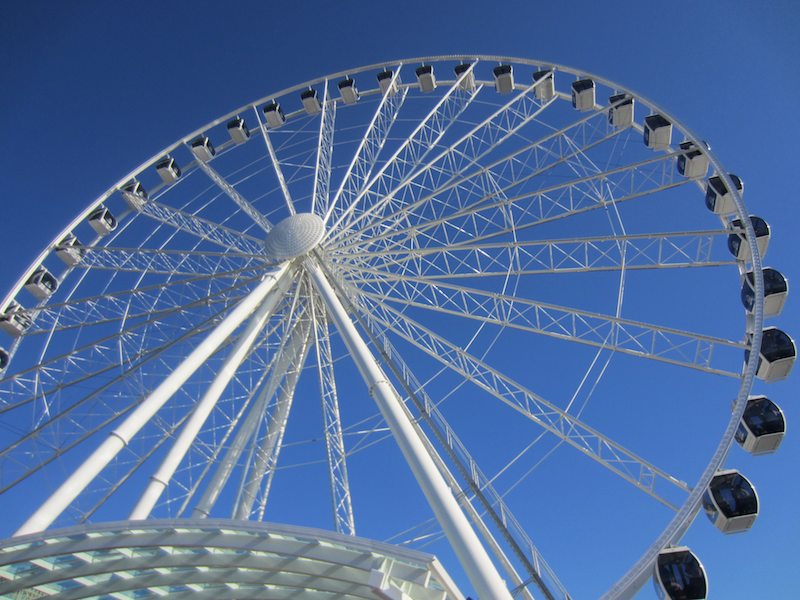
x=763, y=417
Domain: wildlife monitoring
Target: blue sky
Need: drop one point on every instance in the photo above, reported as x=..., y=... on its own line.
x=89, y=92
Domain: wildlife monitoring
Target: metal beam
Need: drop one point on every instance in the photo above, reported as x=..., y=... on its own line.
x=471, y=553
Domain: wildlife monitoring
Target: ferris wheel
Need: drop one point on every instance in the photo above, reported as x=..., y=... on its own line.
x=509, y=288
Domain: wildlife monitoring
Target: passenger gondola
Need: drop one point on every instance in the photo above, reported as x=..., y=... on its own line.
x=777, y=355
x=310, y=100
x=102, y=221
x=468, y=81
x=762, y=426
x=546, y=89
x=348, y=90
x=620, y=112
x=385, y=82
x=657, y=132
x=503, y=79
x=15, y=320
x=168, y=169
x=203, y=149
x=718, y=198
x=426, y=78
x=4, y=358
x=69, y=250
x=274, y=115
x=737, y=241
x=238, y=130
x=583, y=94
x=693, y=162
x=134, y=194
x=776, y=290
x=731, y=502
x=42, y=284
x=679, y=575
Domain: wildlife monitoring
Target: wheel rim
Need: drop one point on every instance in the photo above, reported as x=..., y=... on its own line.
x=168, y=251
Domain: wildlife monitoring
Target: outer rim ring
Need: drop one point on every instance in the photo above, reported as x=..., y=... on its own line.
x=637, y=575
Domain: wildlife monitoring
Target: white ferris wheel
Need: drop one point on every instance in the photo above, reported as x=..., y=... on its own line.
x=522, y=281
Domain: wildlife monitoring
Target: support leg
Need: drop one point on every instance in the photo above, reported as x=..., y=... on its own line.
x=119, y=438
x=462, y=537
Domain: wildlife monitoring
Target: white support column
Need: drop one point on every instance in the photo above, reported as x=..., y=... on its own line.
x=248, y=428
x=462, y=537
x=119, y=438
x=159, y=481
x=266, y=458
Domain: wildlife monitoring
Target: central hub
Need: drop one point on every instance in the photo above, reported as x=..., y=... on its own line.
x=294, y=236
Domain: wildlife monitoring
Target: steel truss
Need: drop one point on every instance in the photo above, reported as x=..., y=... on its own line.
x=170, y=348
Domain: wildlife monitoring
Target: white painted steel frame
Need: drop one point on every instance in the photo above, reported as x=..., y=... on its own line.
x=160, y=480
x=76, y=482
x=641, y=570
x=465, y=542
x=334, y=442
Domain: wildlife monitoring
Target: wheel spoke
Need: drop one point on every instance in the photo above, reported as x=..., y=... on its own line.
x=203, y=228
x=586, y=254
x=334, y=443
x=587, y=440
x=483, y=221
x=275, y=162
x=234, y=195
x=644, y=340
x=366, y=156
x=448, y=189
x=320, y=196
x=414, y=150
x=167, y=262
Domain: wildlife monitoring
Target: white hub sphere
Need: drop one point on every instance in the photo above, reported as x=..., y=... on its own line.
x=294, y=236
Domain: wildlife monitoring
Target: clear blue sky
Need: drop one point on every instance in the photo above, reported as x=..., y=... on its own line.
x=91, y=89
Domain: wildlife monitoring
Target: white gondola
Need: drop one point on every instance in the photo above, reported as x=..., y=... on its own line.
x=620, y=112
x=777, y=355
x=737, y=241
x=718, y=198
x=310, y=101
x=348, y=90
x=762, y=426
x=693, y=162
x=546, y=88
x=503, y=79
x=731, y=502
x=102, y=221
x=69, y=250
x=4, y=358
x=203, y=149
x=583, y=94
x=14, y=320
x=657, y=132
x=468, y=82
x=168, y=169
x=274, y=115
x=426, y=78
x=42, y=284
x=679, y=575
x=385, y=81
x=776, y=290
x=238, y=130
x=134, y=194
